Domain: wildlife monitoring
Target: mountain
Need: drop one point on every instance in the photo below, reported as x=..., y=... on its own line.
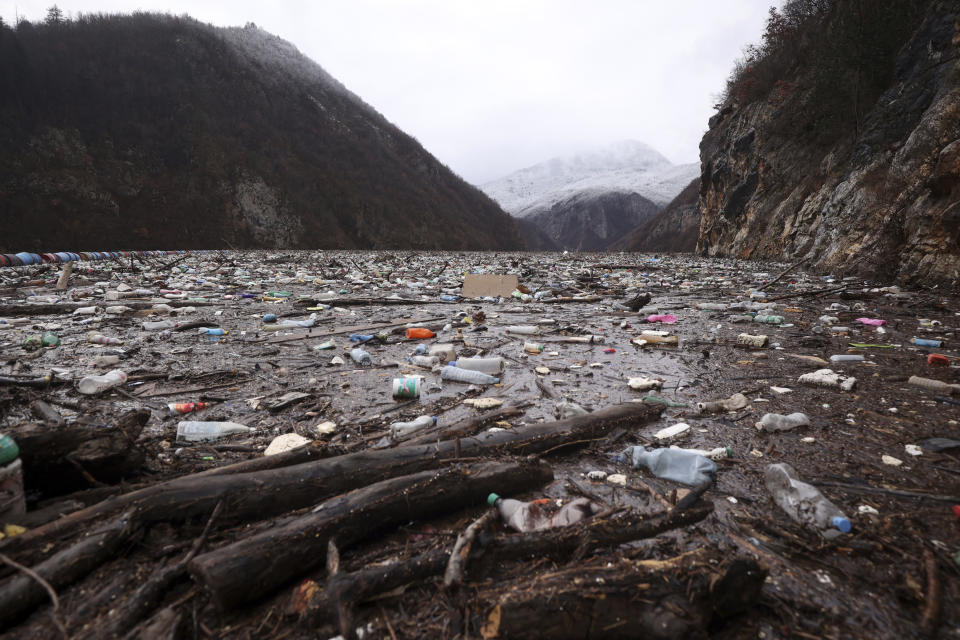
x=627, y=166
x=838, y=140
x=152, y=131
x=589, y=200
x=589, y=220
x=674, y=230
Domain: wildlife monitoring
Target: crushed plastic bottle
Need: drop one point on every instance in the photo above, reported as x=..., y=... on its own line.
x=779, y=422
x=198, y=431
x=679, y=465
x=182, y=408
x=734, y=403
x=468, y=376
x=827, y=378
x=566, y=409
x=747, y=340
x=533, y=516
x=769, y=319
x=91, y=385
x=424, y=362
x=803, y=502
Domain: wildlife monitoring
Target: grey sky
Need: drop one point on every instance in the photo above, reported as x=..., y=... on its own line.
x=491, y=86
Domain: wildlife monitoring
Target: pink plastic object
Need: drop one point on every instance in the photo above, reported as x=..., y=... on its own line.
x=873, y=322
x=668, y=318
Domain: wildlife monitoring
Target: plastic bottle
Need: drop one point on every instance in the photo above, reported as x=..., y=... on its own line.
x=8, y=449
x=934, y=385
x=444, y=351
x=740, y=318
x=533, y=516
x=803, y=502
x=779, y=422
x=197, y=431
x=679, y=465
x=97, y=338
x=91, y=385
x=50, y=339
x=524, y=330
x=489, y=366
x=360, y=337
x=361, y=357
x=647, y=339
x=269, y=317
x=181, y=408
x=733, y=403
x=666, y=318
x=566, y=409
x=419, y=333
x=303, y=324
x=400, y=430
x=212, y=331
x=159, y=325
x=923, y=342
x=747, y=340
x=466, y=375
x=712, y=306
x=843, y=357
x=533, y=347
x=769, y=319
x=716, y=453
x=425, y=362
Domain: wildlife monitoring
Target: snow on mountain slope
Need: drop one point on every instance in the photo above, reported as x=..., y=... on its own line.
x=628, y=166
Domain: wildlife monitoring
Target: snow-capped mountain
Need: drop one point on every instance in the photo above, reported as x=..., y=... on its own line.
x=626, y=167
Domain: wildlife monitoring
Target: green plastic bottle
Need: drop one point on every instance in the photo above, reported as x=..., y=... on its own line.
x=8, y=449
x=50, y=339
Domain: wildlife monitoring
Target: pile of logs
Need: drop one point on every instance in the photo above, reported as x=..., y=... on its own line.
x=322, y=503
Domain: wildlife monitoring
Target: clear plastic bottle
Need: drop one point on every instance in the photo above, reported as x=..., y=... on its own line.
x=779, y=422
x=679, y=465
x=158, y=325
x=747, y=340
x=198, y=431
x=532, y=347
x=466, y=375
x=489, y=366
x=733, y=403
x=769, y=319
x=712, y=306
x=844, y=357
x=803, y=502
x=97, y=338
x=716, y=453
x=91, y=385
x=934, y=385
x=445, y=352
x=401, y=430
x=425, y=362
x=361, y=357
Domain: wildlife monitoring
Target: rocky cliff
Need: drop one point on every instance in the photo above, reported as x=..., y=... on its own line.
x=673, y=230
x=149, y=131
x=848, y=150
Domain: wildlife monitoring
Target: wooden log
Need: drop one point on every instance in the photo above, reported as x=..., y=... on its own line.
x=254, y=567
x=68, y=307
x=262, y=494
x=555, y=544
x=21, y=594
x=620, y=599
x=61, y=460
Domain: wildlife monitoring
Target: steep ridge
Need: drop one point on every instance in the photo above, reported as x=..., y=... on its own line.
x=150, y=131
x=673, y=230
x=839, y=140
x=591, y=220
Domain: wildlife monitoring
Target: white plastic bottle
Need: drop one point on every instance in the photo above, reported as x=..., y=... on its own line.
x=803, y=502
x=91, y=385
x=489, y=366
x=847, y=357
x=401, y=430
x=466, y=375
x=779, y=422
x=197, y=431
x=425, y=362
x=531, y=516
x=524, y=329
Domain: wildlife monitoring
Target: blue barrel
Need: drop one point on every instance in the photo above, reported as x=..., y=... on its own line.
x=63, y=256
x=13, y=260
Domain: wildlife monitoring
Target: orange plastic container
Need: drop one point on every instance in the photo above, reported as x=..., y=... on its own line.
x=416, y=333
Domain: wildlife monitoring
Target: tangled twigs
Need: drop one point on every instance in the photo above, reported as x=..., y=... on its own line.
x=55, y=614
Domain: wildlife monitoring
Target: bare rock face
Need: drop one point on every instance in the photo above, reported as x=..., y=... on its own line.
x=881, y=200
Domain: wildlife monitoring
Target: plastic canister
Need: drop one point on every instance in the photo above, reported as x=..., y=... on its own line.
x=445, y=352
x=407, y=387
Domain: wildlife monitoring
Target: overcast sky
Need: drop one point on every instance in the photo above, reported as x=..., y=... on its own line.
x=491, y=86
